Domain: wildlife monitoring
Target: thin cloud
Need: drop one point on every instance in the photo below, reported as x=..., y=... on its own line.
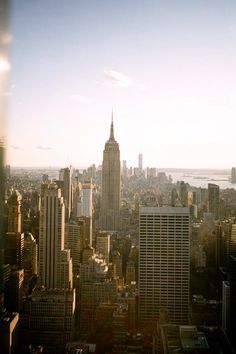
x=80, y=99
x=40, y=147
x=117, y=79
x=15, y=147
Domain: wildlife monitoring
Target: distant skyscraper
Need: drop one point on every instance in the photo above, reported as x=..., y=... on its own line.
x=85, y=207
x=30, y=255
x=14, y=246
x=233, y=175
x=103, y=245
x=14, y=212
x=65, y=176
x=14, y=240
x=110, y=203
x=140, y=162
x=213, y=200
x=55, y=267
x=87, y=199
x=124, y=169
x=164, y=264
x=183, y=193
x=72, y=242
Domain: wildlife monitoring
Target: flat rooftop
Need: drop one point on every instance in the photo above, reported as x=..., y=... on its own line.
x=182, y=340
x=177, y=210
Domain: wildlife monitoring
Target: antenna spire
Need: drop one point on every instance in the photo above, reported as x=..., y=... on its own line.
x=112, y=137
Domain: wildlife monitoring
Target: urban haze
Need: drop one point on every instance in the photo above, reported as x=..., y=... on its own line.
x=117, y=177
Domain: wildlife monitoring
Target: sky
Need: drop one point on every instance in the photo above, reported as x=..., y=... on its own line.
x=165, y=67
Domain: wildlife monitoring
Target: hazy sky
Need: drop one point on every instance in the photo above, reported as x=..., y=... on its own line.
x=168, y=69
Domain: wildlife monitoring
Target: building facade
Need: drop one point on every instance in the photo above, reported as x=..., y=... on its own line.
x=14, y=212
x=47, y=319
x=110, y=202
x=214, y=200
x=103, y=245
x=51, y=240
x=164, y=263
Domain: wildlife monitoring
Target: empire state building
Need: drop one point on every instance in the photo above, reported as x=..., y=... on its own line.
x=110, y=203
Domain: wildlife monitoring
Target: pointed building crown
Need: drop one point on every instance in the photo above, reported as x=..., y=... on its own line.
x=112, y=137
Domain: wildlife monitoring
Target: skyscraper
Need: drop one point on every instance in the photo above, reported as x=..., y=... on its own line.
x=103, y=245
x=140, y=162
x=65, y=176
x=55, y=267
x=183, y=194
x=86, y=198
x=14, y=212
x=110, y=203
x=233, y=175
x=164, y=242
x=85, y=207
x=213, y=200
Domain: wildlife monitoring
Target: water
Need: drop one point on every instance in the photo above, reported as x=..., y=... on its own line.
x=201, y=178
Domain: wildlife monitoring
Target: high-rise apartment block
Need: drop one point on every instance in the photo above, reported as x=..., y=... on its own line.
x=164, y=263
x=52, y=257
x=110, y=202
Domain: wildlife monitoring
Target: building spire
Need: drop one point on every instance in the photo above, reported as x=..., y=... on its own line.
x=112, y=128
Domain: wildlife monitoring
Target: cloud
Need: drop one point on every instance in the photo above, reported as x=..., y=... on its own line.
x=117, y=79
x=15, y=147
x=40, y=147
x=80, y=98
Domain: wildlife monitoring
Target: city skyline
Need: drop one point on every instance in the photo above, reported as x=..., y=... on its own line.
x=166, y=68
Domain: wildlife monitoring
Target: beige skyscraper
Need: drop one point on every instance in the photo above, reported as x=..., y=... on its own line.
x=14, y=241
x=55, y=265
x=14, y=212
x=110, y=203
